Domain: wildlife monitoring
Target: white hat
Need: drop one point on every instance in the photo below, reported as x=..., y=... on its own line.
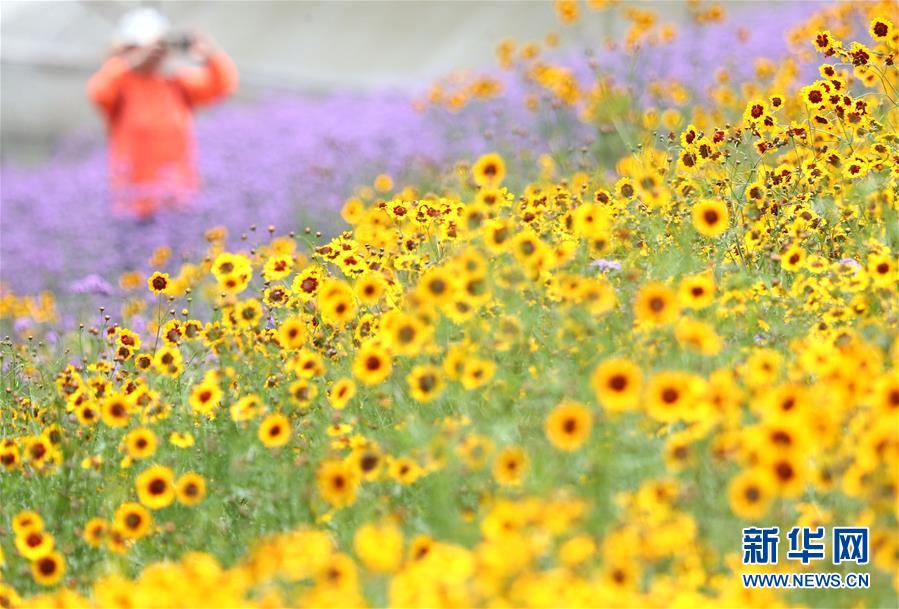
x=142, y=27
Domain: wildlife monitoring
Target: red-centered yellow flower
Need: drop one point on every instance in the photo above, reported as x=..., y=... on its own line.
x=710, y=217
x=425, y=383
x=489, y=170
x=190, y=489
x=372, y=364
x=140, y=443
x=116, y=410
x=656, y=304
x=341, y=393
x=338, y=483
x=274, y=431
x=205, y=398
x=510, y=466
x=618, y=383
x=881, y=28
x=292, y=333
x=156, y=487
x=95, y=531
x=159, y=283
x=27, y=521
x=34, y=544
x=132, y=520
x=48, y=569
x=568, y=426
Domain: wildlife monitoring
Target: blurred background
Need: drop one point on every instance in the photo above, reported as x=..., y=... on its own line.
x=330, y=98
x=49, y=49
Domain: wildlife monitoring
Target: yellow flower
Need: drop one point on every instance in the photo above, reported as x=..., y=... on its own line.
x=353, y=210
x=116, y=410
x=669, y=395
x=95, y=531
x=656, y=304
x=132, y=520
x=568, y=426
x=577, y=550
x=232, y=271
x=882, y=269
x=435, y=287
x=277, y=267
x=168, y=360
x=27, y=521
x=617, y=383
x=10, y=457
x=274, y=431
x=342, y=391
x=405, y=334
x=372, y=364
x=425, y=383
x=370, y=288
x=292, y=333
x=303, y=393
x=34, y=544
x=190, y=489
x=567, y=11
x=48, y=569
x=159, y=283
x=881, y=28
x=477, y=372
x=246, y=408
x=155, y=487
x=404, y=470
x=510, y=466
x=336, y=302
x=337, y=482
x=204, y=398
x=696, y=291
x=181, y=439
x=248, y=313
x=140, y=443
x=793, y=258
x=710, y=217
x=489, y=170
x=383, y=183
x=307, y=283
x=128, y=339
x=379, y=547
x=698, y=335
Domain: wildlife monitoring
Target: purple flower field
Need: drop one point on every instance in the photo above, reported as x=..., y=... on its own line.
x=291, y=161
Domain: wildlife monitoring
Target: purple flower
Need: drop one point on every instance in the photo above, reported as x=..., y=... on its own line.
x=21, y=324
x=91, y=284
x=850, y=262
x=606, y=265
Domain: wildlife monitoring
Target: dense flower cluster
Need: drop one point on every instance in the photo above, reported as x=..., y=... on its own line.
x=489, y=391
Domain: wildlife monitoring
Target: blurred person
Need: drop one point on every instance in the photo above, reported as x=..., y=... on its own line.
x=148, y=106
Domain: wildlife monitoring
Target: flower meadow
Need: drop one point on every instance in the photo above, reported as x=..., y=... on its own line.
x=563, y=363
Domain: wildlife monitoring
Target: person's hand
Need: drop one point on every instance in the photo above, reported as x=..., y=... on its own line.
x=200, y=46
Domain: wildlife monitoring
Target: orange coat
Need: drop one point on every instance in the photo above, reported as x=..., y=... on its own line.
x=149, y=117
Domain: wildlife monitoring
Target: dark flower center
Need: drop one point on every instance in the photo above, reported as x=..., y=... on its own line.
x=784, y=471
x=670, y=396
x=752, y=494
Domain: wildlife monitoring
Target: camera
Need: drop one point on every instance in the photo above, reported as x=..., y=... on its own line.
x=180, y=41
